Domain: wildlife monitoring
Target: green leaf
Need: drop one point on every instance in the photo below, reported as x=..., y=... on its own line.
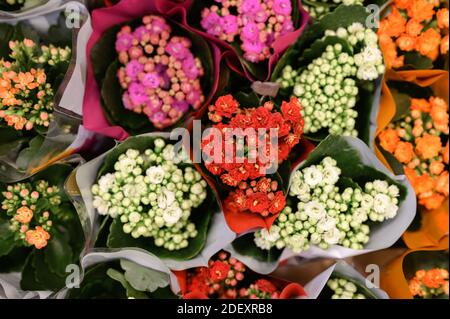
x=402, y=104
x=343, y=16
x=97, y=284
x=246, y=246
x=58, y=254
x=7, y=242
x=142, y=278
x=44, y=275
x=28, y=280
x=27, y=155
x=319, y=46
x=6, y=34
x=59, y=34
x=414, y=60
x=131, y=292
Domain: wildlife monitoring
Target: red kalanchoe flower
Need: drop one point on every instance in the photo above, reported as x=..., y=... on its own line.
x=258, y=202
x=266, y=286
x=291, y=110
x=226, y=105
x=219, y=271
x=277, y=203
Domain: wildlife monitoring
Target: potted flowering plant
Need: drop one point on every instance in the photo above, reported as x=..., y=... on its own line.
x=414, y=35
x=255, y=32
x=150, y=197
x=250, y=183
x=40, y=229
x=318, y=8
x=416, y=141
x=19, y=5
x=335, y=69
x=38, y=113
x=334, y=208
x=147, y=70
x=226, y=277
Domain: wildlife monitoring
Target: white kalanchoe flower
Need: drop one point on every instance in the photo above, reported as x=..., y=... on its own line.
x=152, y=196
x=327, y=213
x=344, y=289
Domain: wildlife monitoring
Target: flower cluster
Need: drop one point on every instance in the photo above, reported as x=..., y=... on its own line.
x=30, y=207
x=430, y=283
x=416, y=142
x=261, y=196
x=257, y=23
x=26, y=97
x=245, y=136
x=160, y=75
x=329, y=213
x=152, y=195
x=319, y=8
x=53, y=55
x=344, y=289
x=224, y=279
x=328, y=86
x=414, y=26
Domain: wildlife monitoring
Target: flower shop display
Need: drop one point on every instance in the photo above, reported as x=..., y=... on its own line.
x=224, y=149
x=250, y=193
x=414, y=35
x=226, y=277
x=333, y=209
x=145, y=193
x=39, y=94
x=255, y=32
x=334, y=69
x=41, y=231
x=148, y=71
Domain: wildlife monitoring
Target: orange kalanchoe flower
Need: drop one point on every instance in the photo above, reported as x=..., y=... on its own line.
x=428, y=284
x=38, y=237
x=415, y=141
x=24, y=215
x=402, y=30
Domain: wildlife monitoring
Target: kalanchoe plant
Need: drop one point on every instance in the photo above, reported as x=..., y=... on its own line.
x=333, y=70
x=414, y=35
x=40, y=228
x=418, y=140
x=228, y=278
x=156, y=74
x=330, y=210
x=340, y=201
x=32, y=68
x=243, y=155
x=344, y=289
x=160, y=75
x=431, y=283
x=153, y=198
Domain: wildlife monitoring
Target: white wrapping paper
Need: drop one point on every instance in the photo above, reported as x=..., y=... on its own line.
x=316, y=285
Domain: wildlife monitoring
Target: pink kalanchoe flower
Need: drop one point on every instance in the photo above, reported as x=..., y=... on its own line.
x=190, y=67
x=250, y=32
x=282, y=7
x=211, y=23
x=141, y=33
x=177, y=49
x=151, y=80
x=133, y=68
x=287, y=26
x=137, y=94
x=127, y=102
x=251, y=7
x=124, y=42
x=229, y=24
